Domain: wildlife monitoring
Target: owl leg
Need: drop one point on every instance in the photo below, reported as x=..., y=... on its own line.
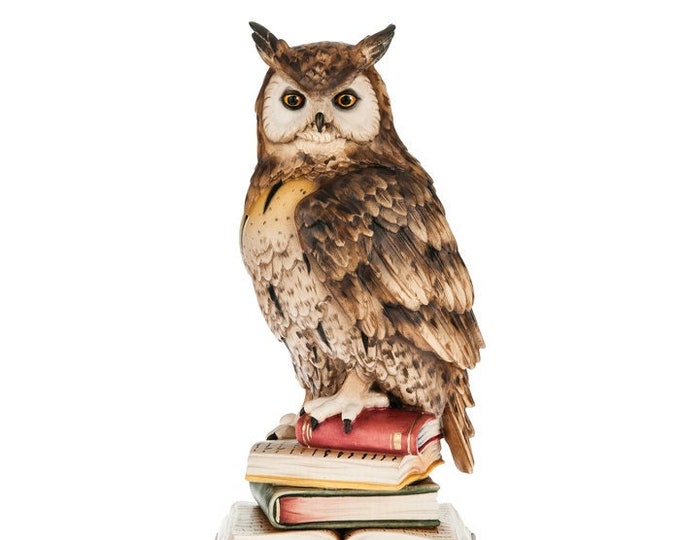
x=354, y=396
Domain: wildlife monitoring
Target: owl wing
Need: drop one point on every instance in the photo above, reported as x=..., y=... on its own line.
x=379, y=240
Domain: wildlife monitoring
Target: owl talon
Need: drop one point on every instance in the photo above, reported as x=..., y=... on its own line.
x=348, y=425
x=354, y=396
x=314, y=423
x=272, y=437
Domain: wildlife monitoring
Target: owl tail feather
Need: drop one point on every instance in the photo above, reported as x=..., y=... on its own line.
x=457, y=432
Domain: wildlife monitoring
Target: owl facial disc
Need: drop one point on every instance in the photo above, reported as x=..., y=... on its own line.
x=349, y=113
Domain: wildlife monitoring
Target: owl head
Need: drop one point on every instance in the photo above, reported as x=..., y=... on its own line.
x=322, y=99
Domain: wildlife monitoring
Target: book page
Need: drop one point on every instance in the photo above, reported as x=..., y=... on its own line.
x=451, y=528
x=286, y=448
x=287, y=462
x=247, y=522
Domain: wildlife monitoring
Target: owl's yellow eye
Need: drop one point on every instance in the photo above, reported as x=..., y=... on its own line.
x=346, y=99
x=293, y=100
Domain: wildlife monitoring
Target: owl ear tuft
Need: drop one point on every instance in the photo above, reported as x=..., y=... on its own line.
x=372, y=48
x=268, y=45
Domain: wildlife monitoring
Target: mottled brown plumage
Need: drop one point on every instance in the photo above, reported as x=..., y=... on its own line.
x=353, y=262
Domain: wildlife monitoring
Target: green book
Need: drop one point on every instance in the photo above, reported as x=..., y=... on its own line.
x=316, y=508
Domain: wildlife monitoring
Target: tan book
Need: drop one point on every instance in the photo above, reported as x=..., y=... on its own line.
x=289, y=463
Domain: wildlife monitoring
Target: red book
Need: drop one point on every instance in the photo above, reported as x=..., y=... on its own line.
x=391, y=431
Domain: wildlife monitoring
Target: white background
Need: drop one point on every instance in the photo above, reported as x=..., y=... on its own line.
x=136, y=369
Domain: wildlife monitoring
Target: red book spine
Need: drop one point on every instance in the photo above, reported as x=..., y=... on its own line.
x=390, y=431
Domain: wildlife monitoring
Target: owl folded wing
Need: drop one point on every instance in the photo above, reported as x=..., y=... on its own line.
x=379, y=240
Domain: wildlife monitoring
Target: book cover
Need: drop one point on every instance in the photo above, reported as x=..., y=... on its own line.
x=288, y=463
x=396, y=431
x=312, y=508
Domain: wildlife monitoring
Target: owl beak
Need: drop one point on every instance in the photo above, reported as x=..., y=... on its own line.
x=320, y=121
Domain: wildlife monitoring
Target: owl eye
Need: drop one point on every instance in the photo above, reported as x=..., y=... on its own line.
x=293, y=100
x=345, y=100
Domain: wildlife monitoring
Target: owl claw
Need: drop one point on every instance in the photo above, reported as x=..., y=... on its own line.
x=314, y=423
x=354, y=396
x=348, y=425
x=272, y=436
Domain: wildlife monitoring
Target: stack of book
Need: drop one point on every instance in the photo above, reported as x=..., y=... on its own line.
x=376, y=478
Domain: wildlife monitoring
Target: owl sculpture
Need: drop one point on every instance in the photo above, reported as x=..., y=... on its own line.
x=354, y=265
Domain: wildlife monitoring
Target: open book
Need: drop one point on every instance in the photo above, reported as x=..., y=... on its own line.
x=288, y=463
x=247, y=522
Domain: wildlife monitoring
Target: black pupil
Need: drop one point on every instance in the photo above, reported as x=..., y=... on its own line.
x=293, y=100
x=345, y=100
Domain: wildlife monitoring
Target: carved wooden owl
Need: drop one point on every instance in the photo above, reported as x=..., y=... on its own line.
x=354, y=265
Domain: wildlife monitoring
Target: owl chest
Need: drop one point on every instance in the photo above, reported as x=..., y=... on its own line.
x=287, y=291
x=268, y=233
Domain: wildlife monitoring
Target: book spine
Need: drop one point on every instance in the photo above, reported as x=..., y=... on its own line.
x=267, y=501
